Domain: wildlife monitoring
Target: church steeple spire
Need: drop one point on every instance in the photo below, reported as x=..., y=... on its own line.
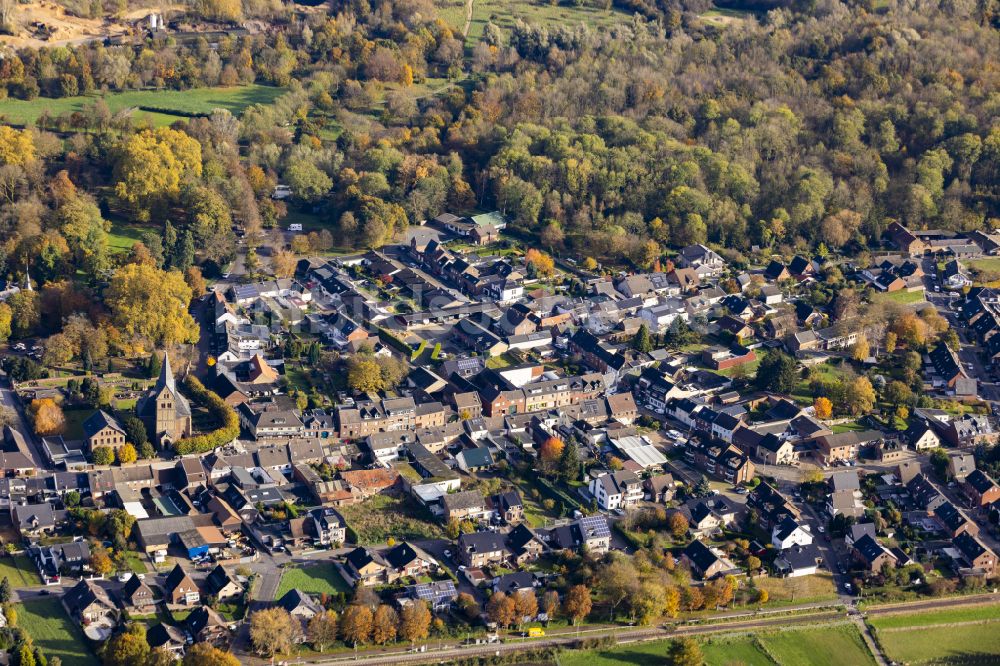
x=166, y=379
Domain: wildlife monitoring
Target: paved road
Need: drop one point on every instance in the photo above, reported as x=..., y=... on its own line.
x=9, y=400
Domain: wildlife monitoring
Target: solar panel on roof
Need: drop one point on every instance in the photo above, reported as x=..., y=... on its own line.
x=596, y=526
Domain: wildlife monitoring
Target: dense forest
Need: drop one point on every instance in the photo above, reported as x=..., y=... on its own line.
x=798, y=128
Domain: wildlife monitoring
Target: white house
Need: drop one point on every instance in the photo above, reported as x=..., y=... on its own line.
x=616, y=490
x=790, y=533
x=662, y=315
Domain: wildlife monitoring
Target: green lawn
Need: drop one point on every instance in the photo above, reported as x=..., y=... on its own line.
x=162, y=107
x=945, y=644
x=123, y=235
x=944, y=616
x=20, y=571
x=74, y=422
x=46, y=622
x=902, y=297
x=850, y=426
x=828, y=646
x=985, y=264
x=316, y=579
x=377, y=519
x=726, y=651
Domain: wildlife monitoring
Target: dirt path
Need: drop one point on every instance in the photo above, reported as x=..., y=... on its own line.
x=468, y=18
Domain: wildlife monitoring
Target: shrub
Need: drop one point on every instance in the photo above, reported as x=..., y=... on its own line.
x=226, y=415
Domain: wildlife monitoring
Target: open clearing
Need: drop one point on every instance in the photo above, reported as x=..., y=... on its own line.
x=821, y=646
x=382, y=516
x=801, y=589
x=504, y=14
x=317, y=579
x=161, y=106
x=953, y=636
x=962, y=644
x=828, y=646
x=902, y=297
x=51, y=629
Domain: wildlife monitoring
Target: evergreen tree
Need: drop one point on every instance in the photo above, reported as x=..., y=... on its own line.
x=185, y=252
x=169, y=245
x=4, y=590
x=153, y=365
x=569, y=461
x=776, y=373
x=642, y=341
x=314, y=352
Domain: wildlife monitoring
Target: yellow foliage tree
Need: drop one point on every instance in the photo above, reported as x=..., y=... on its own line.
x=154, y=163
x=543, y=264
x=127, y=454
x=47, y=416
x=823, y=407
x=151, y=305
x=16, y=146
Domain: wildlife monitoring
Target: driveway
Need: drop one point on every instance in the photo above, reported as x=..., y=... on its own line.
x=9, y=400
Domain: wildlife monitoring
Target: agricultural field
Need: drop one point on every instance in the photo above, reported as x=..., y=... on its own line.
x=318, y=579
x=954, y=636
x=381, y=517
x=46, y=622
x=827, y=646
x=161, y=107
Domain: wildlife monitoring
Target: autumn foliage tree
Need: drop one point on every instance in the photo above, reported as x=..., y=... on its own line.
x=47, y=416
x=415, y=622
x=206, y=654
x=150, y=306
x=356, y=624
x=823, y=407
x=542, y=264
x=153, y=163
x=322, y=630
x=384, y=624
x=500, y=609
x=273, y=631
x=550, y=452
x=577, y=603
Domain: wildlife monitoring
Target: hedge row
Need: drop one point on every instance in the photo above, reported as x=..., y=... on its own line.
x=225, y=414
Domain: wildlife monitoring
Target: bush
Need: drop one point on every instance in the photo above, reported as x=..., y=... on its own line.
x=225, y=414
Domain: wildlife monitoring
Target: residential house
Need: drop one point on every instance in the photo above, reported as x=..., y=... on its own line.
x=137, y=597
x=478, y=549
x=509, y=507
x=704, y=562
x=975, y=554
x=465, y=505
x=616, y=490
x=789, y=532
x=872, y=555
x=981, y=489
x=179, y=588
x=205, y=625
x=368, y=567
x=221, y=585
x=102, y=429
x=88, y=602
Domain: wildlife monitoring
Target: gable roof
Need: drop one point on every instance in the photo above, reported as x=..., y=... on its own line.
x=98, y=421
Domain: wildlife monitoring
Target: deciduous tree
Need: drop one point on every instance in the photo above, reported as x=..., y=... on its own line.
x=500, y=610
x=206, y=654
x=273, y=631
x=577, y=603
x=356, y=624
x=47, y=416
x=151, y=306
x=322, y=630
x=823, y=407
x=384, y=624
x=415, y=621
